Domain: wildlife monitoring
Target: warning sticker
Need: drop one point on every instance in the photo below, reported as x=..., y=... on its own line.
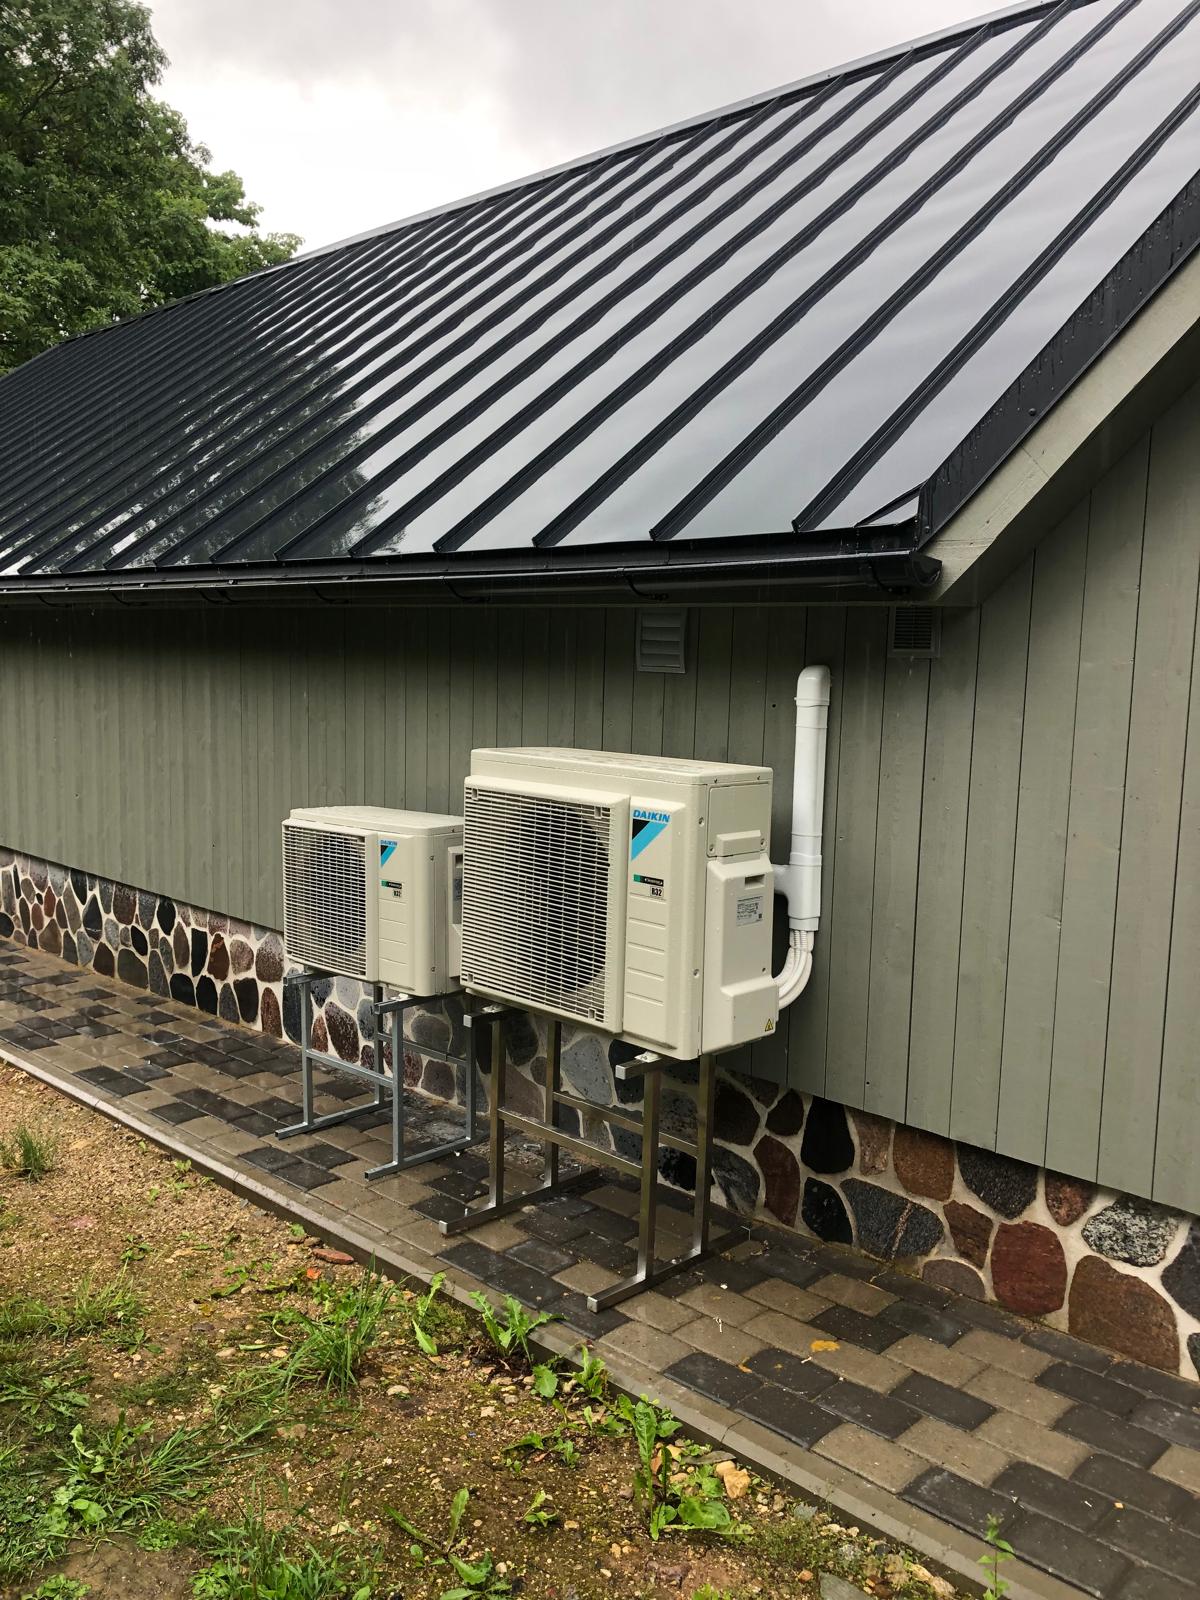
x=750, y=909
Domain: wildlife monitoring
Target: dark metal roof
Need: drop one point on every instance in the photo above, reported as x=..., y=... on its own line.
x=808, y=326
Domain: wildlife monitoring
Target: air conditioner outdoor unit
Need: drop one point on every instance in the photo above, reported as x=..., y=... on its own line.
x=629, y=893
x=374, y=894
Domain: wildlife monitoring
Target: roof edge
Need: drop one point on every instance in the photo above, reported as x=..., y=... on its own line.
x=1102, y=410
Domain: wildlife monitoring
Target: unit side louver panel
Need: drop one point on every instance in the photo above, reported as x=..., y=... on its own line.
x=535, y=900
x=324, y=885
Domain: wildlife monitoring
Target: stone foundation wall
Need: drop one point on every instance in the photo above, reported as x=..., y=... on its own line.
x=1108, y=1267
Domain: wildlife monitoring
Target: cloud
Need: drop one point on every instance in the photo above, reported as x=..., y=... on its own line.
x=345, y=114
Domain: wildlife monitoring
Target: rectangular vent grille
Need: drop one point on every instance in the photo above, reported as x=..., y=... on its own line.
x=324, y=899
x=535, y=900
x=662, y=641
x=915, y=631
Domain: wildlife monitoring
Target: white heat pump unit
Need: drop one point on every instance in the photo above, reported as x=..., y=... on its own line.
x=631, y=893
x=374, y=894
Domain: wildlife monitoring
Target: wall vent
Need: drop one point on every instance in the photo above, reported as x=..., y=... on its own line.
x=915, y=631
x=662, y=640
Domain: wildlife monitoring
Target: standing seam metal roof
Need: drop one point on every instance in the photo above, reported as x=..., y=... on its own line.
x=815, y=321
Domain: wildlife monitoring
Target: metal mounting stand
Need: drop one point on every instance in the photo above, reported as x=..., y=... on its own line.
x=389, y=1087
x=649, y=1270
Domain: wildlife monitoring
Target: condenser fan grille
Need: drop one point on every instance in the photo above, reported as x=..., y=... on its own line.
x=324, y=899
x=535, y=900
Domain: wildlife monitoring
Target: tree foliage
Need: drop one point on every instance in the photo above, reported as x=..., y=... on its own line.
x=107, y=207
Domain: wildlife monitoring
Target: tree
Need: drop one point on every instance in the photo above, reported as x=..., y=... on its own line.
x=106, y=206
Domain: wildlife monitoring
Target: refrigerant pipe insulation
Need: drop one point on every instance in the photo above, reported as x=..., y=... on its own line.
x=800, y=881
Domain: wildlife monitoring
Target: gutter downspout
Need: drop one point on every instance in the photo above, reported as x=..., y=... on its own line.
x=800, y=880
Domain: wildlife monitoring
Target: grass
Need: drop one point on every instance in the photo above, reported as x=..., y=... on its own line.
x=112, y=1308
x=28, y=1154
x=333, y=1343
x=250, y=1561
x=118, y=1476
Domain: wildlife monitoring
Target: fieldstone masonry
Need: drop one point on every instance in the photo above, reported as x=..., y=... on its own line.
x=1111, y=1268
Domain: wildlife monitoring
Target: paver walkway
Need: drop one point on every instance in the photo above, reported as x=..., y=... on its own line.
x=946, y=1404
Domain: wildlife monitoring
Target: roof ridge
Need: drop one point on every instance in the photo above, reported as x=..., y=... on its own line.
x=1007, y=15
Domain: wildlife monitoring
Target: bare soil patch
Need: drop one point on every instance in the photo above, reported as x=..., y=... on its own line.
x=198, y=1302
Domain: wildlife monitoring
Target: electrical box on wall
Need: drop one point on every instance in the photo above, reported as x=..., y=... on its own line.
x=374, y=894
x=632, y=893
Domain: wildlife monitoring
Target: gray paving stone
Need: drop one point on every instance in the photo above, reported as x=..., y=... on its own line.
x=1076, y=1558
x=936, y=1399
x=792, y=1415
x=717, y=1379
x=1090, y=1388
x=879, y=1413
x=1152, y=1543
x=963, y=1504
x=791, y=1372
x=1133, y=1487
x=1169, y=1422
x=1058, y=1498
x=1113, y=1435
x=870, y=1333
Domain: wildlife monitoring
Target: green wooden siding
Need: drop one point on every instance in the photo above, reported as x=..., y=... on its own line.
x=1011, y=920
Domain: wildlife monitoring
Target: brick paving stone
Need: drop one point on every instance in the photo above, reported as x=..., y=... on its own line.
x=543, y=1256
x=723, y=1305
x=925, y=1355
x=1090, y=1388
x=793, y=1415
x=936, y=1399
x=1169, y=1422
x=861, y=1366
x=638, y=1341
x=1152, y=1543
x=1065, y=1347
x=997, y=1351
x=782, y=1266
x=1144, y=1583
x=841, y=1322
x=736, y=1345
x=880, y=1413
x=790, y=1371
x=176, y=1112
x=1117, y=1480
x=719, y=1380
x=1078, y=1505
x=587, y=1278
x=1030, y=1441
x=853, y=1292
x=726, y=1272
x=1179, y=1466
x=793, y=1301
x=657, y=1310
x=1076, y=1558
x=1113, y=1435
x=1014, y=1394
x=1184, y=1392
x=610, y=1224
x=958, y=1501
x=572, y=1308
x=938, y=1326
x=773, y=1328
x=872, y=1457
x=964, y=1454
x=611, y=1253
x=907, y=1287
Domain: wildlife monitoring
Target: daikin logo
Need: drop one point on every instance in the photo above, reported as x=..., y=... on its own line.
x=386, y=850
x=647, y=825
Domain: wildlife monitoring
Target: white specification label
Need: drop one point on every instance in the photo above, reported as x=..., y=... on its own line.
x=750, y=909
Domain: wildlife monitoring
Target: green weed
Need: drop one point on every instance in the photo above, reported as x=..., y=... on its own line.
x=538, y=1516
x=33, y=1529
x=252, y=1563
x=110, y=1308
x=59, y=1587
x=509, y=1330
x=423, y=1315
x=332, y=1345
x=671, y=1497
x=28, y=1155
x=116, y=1477
x=43, y=1399
x=477, y=1580
x=999, y=1550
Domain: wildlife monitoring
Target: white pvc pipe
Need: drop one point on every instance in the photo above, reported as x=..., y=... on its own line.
x=800, y=880
x=808, y=798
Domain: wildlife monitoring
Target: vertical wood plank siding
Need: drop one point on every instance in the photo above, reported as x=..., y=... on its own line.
x=1011, y=909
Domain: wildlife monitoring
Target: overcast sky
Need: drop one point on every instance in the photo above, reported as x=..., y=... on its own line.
x=345, y=114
